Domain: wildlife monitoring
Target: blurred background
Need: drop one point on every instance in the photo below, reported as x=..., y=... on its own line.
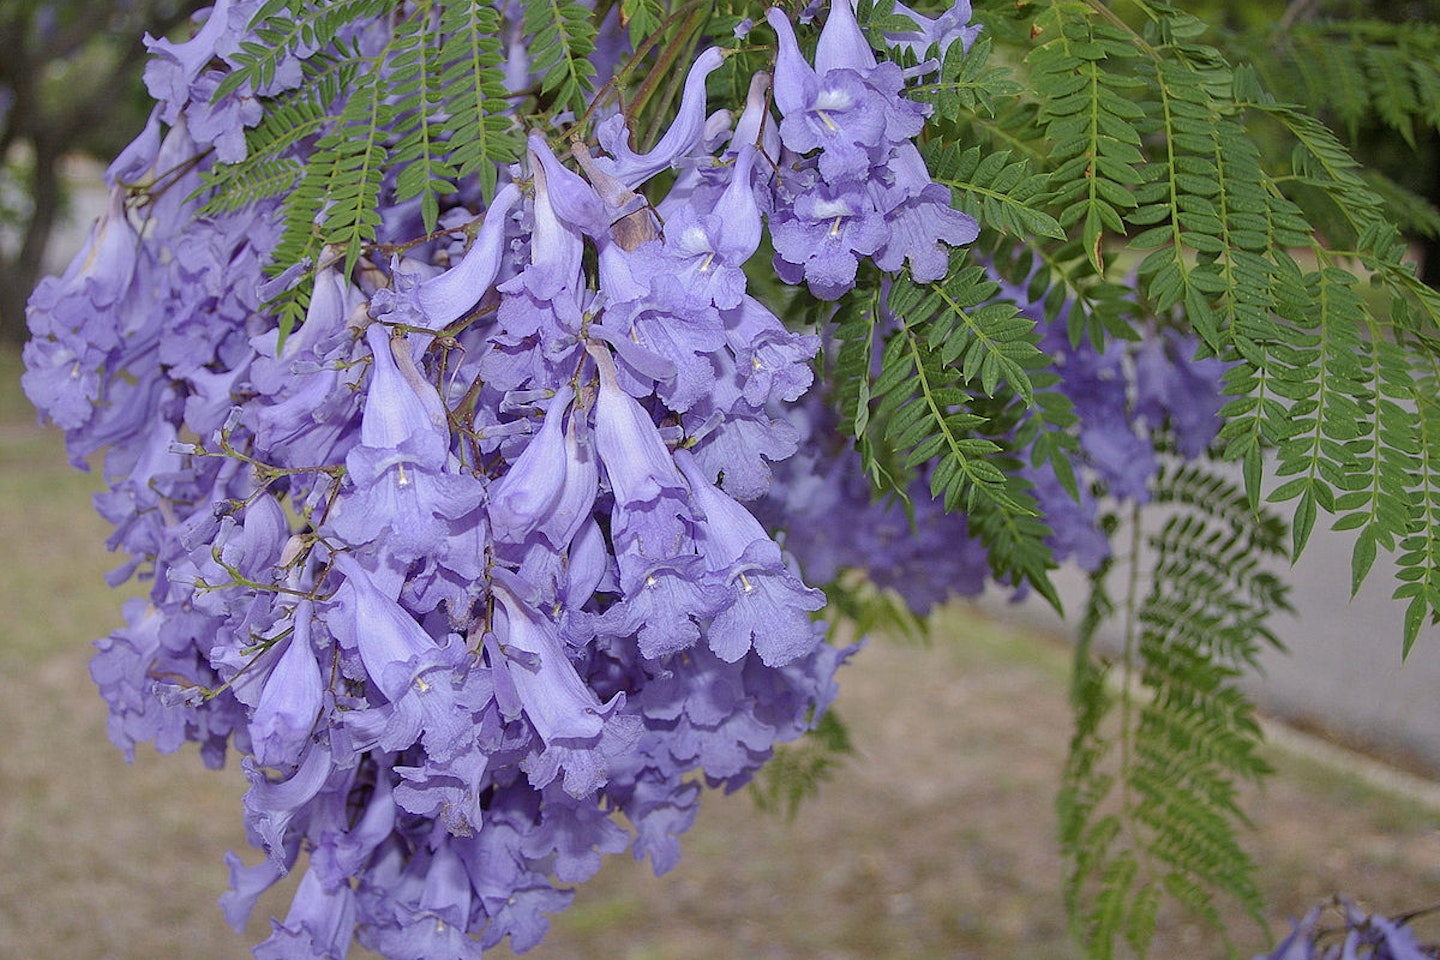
x=935, y=840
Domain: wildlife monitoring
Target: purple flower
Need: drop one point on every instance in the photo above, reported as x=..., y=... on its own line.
x=74, y=322
x=841, y=44
x=737, y=447
x=523, y=499
x=444, y=299
x=1170, y=383
x=121, y=670
x=830, y=229
x=766, y=606
x=549, y=691
x=1382, y=937
x=837, y=114
x=577, y=835
x=920, y=218
x=1074, y=531
x=173, y=67
x=771, y=362
x=756, y=127
x=429, y=917
x=378, y=629
x=952, y=25
x=342, y=850
x=438, y=578
x=137, y=160
x=923, y=553
x=306, y=398
x=399, y=469
x=847, y=106
x=271, y=805
x=221, y=123
x=704, y=252
x=661, y=813
x=637, y=464
x=246, y=886
x=664, y=603
x=683, y=133
x=555, y=243
x=320, y=924
x=286, y=714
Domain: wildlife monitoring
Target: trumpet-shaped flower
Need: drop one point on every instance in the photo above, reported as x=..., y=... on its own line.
x=550, y=693
x=291, y=700
x=400, y=485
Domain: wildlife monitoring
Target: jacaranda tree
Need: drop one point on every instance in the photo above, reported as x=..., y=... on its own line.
x=496, y=395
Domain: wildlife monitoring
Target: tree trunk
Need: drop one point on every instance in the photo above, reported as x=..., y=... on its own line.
x=25, y=269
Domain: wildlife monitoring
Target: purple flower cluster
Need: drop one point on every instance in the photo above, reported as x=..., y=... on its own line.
x=463, y=568
x=924, y=554
x=1120, y=395
x=851, y=182
x=1123, y=395
x=1360, y=936
x=475, y=567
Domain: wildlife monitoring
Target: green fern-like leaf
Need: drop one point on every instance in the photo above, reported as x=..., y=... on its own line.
x=561, y=38
x=1418, y=559
x=954, y=382
x=283, y=27
x=641, y=18
x=950, y=345
x=1408, y=210
x=990, y=342
x=354, y=157
x=1325, y=411
x=1362, y=70
x=1089, y=113
x=798, y=770
x=425, y=167
x=1149, y=807
x=480, y=139
x=996, y=191
x=863, y=608
x=968, y=83
x=273, y=166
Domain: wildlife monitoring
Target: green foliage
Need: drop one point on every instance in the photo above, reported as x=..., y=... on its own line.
x=859, y=605
x=955, y=378
x=969, y=84
x=1151, y=135
x=285, y=27
x=1086, y=85
x=1419, y=556
x=430, y=109
x=1148, y=806
x=562, y=36
x=1244, y=218
x=475, y=131
x=995, y=190
x=1362, y=71
x=269, y=170
x=797, y=770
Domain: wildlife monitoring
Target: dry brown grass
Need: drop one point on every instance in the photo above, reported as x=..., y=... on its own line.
x=935, y=842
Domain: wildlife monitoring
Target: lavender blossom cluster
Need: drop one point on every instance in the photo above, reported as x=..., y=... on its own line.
x=1122, y=396
x=465, y=567
x=852, y=184
x=1358, y=936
